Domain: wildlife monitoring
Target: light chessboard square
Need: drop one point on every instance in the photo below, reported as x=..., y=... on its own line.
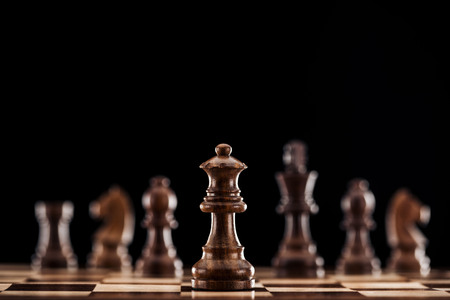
x=4, y=286
x=297, y=281
x=142, y=288
x=141, y=280
x=369, y=277
x=424, y=294
x=307, y=289
x=383, y=285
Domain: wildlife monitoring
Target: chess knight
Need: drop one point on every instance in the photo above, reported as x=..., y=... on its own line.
x=405, y=239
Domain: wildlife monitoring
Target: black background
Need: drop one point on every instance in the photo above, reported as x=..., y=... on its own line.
x=116, y=95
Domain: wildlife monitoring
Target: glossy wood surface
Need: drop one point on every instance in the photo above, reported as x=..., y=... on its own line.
x=223, y=265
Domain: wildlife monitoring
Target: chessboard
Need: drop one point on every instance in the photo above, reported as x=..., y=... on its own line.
x=21, y=282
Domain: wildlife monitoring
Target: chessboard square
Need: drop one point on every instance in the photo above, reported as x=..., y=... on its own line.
x=142, y=280
x=50, y=287
x=45, y=293
x=383, y=285
x=186, y=286
x=384, y=277
x=11, y=279
x=405, y=293
x=18, y=270
x=93, y=283
x=4, y=286
x=307, y=290
x=133, y=295
x=10, y=276
x=143, y=288
x=226, y=294
x=438, y=284
x=298, y=281
x=66, y=277
x=435, y=281
x=328, y=295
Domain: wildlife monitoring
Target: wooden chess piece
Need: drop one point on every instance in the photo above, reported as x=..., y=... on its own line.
x=111, y=240
x=223, y=266
x=159, y=256
x=297, y=255
x=358, y=256
x=405, y=239
x=54, y=249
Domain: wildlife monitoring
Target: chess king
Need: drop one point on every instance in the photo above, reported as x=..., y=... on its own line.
x=223, y=266
x=297, y=252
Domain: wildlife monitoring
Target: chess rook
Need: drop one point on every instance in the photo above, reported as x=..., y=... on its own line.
x=159, y=256
x=297, y=252
x=406, y=241
x=358, y=256
x=223, y=266
x=54, y=249
x=111, y=240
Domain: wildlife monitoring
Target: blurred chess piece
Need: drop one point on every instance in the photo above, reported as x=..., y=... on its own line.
x=297, y=251
x=159, y=256
x=358, y=256
x=111, y=240
x=406, y=241
x=54, y=249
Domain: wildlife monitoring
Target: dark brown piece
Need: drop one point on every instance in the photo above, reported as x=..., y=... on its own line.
x=110, y=243
x=297, y=255
x=54, y=249
x=159, y=256
x=406, y=241
x=223, y=266
x=358, y=254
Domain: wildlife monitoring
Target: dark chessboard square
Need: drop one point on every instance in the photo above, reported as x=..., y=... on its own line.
x=50, y=287
x=445, y=286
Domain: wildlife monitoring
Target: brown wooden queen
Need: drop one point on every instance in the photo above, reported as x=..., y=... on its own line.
x=223, y=266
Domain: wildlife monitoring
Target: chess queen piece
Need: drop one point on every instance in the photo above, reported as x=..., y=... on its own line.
x=223, y=266
x=54, y=249
x=111, y=240
x=297, y=255
x=405, y=239
x=358, y=256
x=159, y=256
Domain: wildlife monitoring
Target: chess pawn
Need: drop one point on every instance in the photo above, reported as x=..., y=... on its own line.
x=223, y=266
x=406, y=241
x=111, y=240
x=54, y=249
x=297, y=252
x=357, y=256
x=159, y=255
